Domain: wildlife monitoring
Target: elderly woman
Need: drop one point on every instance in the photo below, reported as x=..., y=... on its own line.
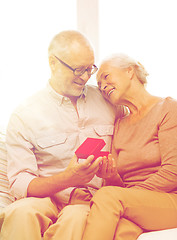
x=145, y=149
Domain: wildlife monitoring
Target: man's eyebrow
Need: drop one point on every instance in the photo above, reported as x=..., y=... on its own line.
x=84, y=66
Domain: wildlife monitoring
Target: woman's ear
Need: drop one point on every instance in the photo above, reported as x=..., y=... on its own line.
x=130, y=72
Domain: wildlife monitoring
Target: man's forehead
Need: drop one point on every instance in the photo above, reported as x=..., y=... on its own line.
x=83, y=57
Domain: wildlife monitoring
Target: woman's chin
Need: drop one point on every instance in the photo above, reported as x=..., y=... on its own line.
x=112, y=100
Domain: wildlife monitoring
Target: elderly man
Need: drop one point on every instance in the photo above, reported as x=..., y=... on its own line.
x=52, y=186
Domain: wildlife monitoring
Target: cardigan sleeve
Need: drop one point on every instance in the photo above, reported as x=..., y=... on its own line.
x=165, y=179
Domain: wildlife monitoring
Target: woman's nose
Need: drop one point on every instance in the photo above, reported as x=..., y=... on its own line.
x=103, y=87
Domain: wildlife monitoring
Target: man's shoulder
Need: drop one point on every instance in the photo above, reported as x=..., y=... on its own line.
x=92, y=88
x=95, y=98
x=94, y=92
x=31, y=101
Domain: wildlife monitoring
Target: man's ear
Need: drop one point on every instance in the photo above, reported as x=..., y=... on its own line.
x=52, y=63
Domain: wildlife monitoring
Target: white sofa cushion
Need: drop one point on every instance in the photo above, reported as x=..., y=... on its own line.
x=5, y=197
x=169, y=234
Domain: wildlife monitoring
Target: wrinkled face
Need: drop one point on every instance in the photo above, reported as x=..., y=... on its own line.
x=64, y=80
x=113, y=83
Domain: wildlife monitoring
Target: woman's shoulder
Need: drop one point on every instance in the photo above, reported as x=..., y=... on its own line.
x=169, y=105
x=170, y=102
x=169, y=110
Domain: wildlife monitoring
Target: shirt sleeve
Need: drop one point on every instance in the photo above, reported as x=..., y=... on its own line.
x=22, y=166
x=165, y=179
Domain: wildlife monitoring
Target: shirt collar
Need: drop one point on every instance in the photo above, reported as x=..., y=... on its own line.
x=60, y=98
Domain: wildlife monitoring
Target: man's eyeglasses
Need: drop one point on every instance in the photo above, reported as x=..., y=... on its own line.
x=80, y=71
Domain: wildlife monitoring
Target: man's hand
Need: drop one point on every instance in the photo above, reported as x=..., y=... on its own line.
x=83, y=172
x=75, y=174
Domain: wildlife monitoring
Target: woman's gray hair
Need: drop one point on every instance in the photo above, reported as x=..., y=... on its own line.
x=124, y=61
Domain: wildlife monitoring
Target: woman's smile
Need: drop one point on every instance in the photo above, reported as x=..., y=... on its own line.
x=110, y=91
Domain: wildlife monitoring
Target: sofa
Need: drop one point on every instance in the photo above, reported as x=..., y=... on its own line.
x=6, y=198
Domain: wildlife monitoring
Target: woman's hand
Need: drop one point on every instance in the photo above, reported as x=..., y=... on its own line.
x=108, y=171
x=108, y=167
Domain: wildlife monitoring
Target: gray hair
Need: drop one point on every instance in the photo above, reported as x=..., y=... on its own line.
x=62, y=42
x=124, y=61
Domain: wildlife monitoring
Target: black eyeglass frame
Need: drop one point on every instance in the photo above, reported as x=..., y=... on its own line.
x=77, y=69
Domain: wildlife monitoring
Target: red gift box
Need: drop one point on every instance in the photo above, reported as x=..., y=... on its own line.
x=91, y=146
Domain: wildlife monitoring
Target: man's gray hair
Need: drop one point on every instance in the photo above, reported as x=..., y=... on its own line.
x=62, y=42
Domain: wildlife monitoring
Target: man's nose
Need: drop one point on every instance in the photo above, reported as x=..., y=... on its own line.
x=85, y=76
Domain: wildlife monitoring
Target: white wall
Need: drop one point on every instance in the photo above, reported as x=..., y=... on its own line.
x=26, y=31
x=145, y=30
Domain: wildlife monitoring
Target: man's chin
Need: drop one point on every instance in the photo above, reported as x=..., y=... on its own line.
x=75, y=94
x=79, y=90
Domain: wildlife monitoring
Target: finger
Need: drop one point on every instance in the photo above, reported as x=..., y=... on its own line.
x=87, y=162
x=111, y=168
x=114, y=165
x=109, y=165
x=114, y=168
x=75, y=158
x=112, y=160
x=97, y=162
x=104, y=165
x=94, y=166
x=110, y=156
